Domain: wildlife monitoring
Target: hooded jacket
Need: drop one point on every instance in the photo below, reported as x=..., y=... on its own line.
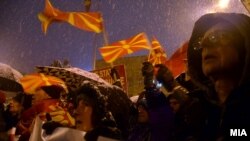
x=240, y=21
x=236, y=113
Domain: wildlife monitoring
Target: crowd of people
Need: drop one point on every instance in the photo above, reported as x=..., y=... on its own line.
x=206, y=103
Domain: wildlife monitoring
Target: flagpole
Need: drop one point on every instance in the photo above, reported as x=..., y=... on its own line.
x=87, y=6
x=106, y=40
x=105, y=36
x=94, y=56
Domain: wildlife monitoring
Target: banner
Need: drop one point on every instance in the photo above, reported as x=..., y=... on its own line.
x=105, y=74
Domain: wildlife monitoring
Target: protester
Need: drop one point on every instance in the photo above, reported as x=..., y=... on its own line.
x=101, y=112
x=18, y=104
x=188, y=118
x=177, y=101
x=187, y=108
x=45, y=100
x=156, y=116
x=141, y=130
x=154, y=119
x=93, y=116
x=218, y=61
x=120, y=106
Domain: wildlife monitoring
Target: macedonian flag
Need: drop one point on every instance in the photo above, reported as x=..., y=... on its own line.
x=121, y=48
x=246, y=3
x=89, y=21
x=177, y=62
x=157, y=54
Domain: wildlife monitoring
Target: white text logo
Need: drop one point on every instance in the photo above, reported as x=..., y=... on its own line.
x=238, y=132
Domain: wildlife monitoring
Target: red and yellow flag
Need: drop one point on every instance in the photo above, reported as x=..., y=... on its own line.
x=51, y=106
x=246, y=4
x=177, y=62
x=89, y=21
x=121, y=48
x=157, y=54
x=31, y=82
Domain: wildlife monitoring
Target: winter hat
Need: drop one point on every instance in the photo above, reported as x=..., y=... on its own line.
x=54, y=91
x=118, y=103
x=24, y=99
x=2, y=97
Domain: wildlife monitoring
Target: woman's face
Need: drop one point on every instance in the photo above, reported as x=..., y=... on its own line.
x=39, y=95
x=174, y=104
x=15, y=107
x=219, y=54
x=83, y=115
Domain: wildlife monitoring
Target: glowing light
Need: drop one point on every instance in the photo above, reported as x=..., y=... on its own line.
x=223, y=4
x=219, y=6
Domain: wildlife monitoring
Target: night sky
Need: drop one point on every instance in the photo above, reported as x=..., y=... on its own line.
x=24, y=46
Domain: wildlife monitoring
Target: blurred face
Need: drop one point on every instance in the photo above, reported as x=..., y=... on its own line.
x=15, y=107
x=174, y=104
x=39, y=96
x=142, y=114
x=83, y=115
x=219, y=54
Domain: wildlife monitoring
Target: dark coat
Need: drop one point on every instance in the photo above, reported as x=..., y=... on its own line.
x=11, y=120
x=189, y=120
x=235, y=113
x=141, y=132
x=160, y=125
x=108, y=132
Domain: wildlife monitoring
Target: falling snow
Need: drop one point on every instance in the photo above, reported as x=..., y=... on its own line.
x=23, y=45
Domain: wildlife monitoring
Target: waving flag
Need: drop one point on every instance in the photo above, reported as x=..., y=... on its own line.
x=246, y=4
x=176, y=63
x=157, y=55
x=49, y=107
x=118, y=49
x=31, y=82
x=89, y=21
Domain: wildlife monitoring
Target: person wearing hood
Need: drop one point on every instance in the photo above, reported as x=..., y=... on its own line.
x=219, y=62
x=93, y=116
x=141, y=130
